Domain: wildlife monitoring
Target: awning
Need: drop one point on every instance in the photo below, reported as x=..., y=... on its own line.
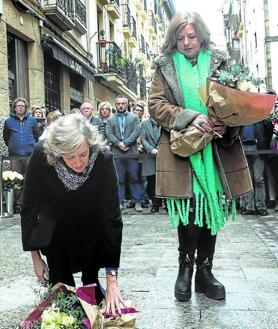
x=65, y=56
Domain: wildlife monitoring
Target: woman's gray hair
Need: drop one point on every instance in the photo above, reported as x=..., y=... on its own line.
x=181, y=20
x=67, y=133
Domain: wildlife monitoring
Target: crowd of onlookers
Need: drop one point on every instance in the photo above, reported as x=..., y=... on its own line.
x=133, y=138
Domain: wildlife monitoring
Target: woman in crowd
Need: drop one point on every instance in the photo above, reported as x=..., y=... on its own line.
x=104, y=112
x=51, y=117
x=71, y=210
x=150, y=134
x=38, y=113
x=195, y=186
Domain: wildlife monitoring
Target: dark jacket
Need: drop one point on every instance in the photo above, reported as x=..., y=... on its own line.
x=131, y=133
x=20, y=135
x=92, y=210
x=150, y=135
x=262, y=134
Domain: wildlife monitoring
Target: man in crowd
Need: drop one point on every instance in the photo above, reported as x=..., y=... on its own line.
x=122, y=131
x=256, y=138
x=20, y=134
x=87, y=110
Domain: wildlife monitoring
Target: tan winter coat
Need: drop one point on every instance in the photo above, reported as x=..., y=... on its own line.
x=174, y=173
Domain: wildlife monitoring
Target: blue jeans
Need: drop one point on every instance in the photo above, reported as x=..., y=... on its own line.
x=255, y=199
x=130, y=166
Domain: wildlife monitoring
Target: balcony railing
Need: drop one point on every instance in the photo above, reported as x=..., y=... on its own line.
x=66, y=6
x=148, y=52
x=142, y=47
x=145, y=5
x=117, y=2
x=127, y=17
x=133, y=28
x=152, y=21
x=143, y=86
x=80, y=12
x=61, y=12
x=110, y=60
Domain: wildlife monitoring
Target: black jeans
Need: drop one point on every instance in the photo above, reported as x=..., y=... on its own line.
x=193, y=237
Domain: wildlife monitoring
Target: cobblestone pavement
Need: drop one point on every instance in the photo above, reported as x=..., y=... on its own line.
x=245, y=262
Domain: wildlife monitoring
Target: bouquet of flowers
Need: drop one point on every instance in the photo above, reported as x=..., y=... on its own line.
x=236, y=98
x=11, y=180
x=65, y=307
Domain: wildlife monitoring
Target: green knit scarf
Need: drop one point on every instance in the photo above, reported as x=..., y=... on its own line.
x=210, y=202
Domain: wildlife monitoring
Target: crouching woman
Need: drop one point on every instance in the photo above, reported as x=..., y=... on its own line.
x=71, y=210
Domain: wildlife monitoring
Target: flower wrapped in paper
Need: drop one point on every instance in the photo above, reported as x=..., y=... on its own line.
x=67, y=307
x=234, y=97
x=235, y=107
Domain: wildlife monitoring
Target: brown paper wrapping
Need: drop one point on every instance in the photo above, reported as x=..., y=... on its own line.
x=189, y=141
x=237, y=108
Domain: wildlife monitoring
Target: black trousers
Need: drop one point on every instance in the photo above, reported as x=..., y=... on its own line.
x=151, y=191
x=193, y=237
x=60, y=271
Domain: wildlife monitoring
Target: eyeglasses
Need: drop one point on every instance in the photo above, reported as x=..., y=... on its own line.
x=20, y=105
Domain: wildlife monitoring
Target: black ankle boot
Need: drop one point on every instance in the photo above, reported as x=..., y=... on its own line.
x=206, y=283
x=183, y=283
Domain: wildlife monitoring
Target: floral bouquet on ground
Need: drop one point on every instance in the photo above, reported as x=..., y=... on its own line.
x=236, y=98
x=65, y=307
x=11, y=180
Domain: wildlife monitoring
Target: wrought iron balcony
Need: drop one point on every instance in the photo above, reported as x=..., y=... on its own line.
x=60, y=12
x=111, y=61
x=80, y=16
x=142, y=47
x=126, y=18
x=152, y=23
x=133, y=28
x=117, y=2
x=113, y=9
x=148, y=54
x=143, y=86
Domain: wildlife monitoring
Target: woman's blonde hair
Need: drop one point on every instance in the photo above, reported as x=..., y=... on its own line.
x=101, y=106
x=67, y=133
x=183, y=19
x=53, y=116
x=34, y=108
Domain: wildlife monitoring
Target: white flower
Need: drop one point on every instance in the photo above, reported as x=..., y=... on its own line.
x=18, y=176
x=6, y=175
x=53, y=318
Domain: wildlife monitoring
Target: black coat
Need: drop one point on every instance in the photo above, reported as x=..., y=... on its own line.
x=91, y=213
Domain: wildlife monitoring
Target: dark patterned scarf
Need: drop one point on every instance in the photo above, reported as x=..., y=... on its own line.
x=71, y=179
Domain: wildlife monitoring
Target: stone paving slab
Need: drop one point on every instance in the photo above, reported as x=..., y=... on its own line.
x=245, y=261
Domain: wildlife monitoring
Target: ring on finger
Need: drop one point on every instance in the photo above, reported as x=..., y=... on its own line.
x=200, y=122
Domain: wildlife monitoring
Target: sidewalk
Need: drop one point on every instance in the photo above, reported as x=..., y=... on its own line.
x=243, y=263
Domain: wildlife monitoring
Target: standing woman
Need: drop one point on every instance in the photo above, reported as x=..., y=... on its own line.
x=71, y=210
x=150, y=134
x=37, y=112
x=104, y=112
x=195, y=186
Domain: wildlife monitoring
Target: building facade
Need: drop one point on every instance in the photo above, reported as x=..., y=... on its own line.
x=252, y=36
x=60, y=53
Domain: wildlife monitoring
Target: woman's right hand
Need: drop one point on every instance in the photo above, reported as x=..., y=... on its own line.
x=203, y=123
x=40, y=267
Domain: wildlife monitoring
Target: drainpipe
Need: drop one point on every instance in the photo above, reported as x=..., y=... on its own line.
x=268, y=65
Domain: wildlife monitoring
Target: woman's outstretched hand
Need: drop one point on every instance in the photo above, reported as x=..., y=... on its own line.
x=40, y=267
x=113, y=297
